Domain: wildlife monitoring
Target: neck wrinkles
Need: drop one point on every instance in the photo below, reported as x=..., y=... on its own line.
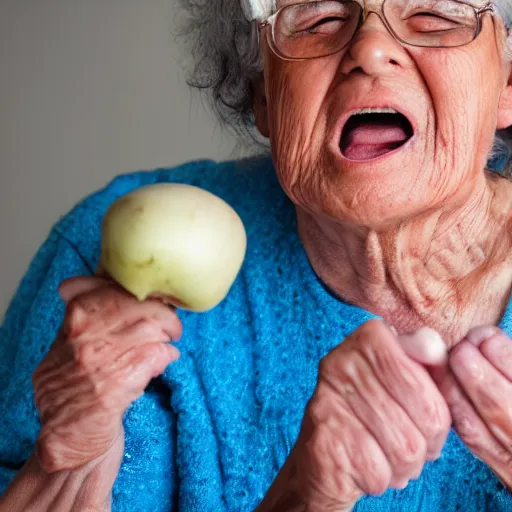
x=448, y=269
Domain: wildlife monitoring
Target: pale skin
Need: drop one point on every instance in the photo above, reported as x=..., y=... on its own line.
x=420, y=237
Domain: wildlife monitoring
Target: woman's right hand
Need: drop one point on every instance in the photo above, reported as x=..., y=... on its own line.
x=109, y=348
x=375, y=417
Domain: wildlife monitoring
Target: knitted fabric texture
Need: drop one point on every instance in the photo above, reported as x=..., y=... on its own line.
x=213, y=431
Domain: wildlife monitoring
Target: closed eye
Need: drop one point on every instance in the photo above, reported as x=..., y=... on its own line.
x=426, y=22
x=327, y=25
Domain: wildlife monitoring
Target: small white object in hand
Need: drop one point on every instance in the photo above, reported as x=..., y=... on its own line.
x=425, y=346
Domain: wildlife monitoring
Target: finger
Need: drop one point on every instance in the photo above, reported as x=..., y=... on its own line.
x=407, y=382
x=52, y=389
x=496, y=347
x=69, y=365
x=424, y=346
x=371, y=470
x=111, y=388
x=144, y=331
x=75, y=286
x=486, y=387
x=133, y=371
x=150, y=311
x=479, y=334
x=112, y=310
x=57, y=397
x=103, y=353
x=400, y=440
x=473, y=431
x=168, y=318
x=339, y=447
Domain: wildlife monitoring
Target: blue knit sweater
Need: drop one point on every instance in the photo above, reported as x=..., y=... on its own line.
x=212, y=432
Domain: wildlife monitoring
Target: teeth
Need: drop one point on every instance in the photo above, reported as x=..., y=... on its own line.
x=375, y=111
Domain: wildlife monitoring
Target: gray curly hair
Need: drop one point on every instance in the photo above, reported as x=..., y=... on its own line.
x=224, y=47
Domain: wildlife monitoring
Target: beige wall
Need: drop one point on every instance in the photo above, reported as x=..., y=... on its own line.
x=88, y=90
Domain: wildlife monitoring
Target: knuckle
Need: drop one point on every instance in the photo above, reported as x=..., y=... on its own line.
x=324, y=407
x=504, y=456
x=314, y=445
x=317, y=412
x=156, y=351
x=108, y=400
x=370, y=467
x=324, y=368
x=76, y=312
x=85, y=358
x=468, y=432
x=370, y=332
x=380, y=485
x=48, y=455
x=339, y=364
x=316, y=448
x=412, y=452
x=372, y=327
x=437, y=420
x=378, y=481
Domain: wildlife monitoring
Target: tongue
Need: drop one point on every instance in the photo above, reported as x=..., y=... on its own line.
x=369, y=136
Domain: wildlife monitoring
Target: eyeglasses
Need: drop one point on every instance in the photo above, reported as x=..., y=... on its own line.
x=315, y=29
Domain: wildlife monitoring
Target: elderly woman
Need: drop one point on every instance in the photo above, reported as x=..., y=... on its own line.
x=362, y=359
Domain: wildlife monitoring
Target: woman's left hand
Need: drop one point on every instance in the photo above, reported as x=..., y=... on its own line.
x=477, y=386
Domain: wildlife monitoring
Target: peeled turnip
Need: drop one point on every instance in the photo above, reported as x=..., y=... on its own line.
x=177, y=242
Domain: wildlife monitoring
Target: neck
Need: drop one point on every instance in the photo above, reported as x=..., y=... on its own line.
x=449, y=269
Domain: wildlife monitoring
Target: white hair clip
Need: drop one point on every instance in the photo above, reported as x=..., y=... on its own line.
x=258, y=9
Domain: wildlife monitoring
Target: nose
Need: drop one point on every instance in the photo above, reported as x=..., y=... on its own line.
x=373, y=50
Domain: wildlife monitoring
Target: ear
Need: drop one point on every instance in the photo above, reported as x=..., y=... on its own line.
x=505, y=107
x=260, y=105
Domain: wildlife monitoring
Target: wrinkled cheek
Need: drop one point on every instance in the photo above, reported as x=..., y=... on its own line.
x=465, y=103
x=291, y=135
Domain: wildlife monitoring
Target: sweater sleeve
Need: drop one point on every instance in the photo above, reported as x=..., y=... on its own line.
x=29, y=328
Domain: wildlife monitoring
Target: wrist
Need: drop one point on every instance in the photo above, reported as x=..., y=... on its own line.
x=287, y=494
x=282, y=495
x=85, y=489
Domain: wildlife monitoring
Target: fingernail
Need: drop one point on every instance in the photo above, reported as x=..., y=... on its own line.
x=478, y=335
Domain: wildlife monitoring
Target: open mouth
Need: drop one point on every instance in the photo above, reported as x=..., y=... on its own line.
x=373, y=132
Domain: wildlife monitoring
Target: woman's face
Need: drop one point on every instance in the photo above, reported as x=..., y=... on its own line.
x=349, y=172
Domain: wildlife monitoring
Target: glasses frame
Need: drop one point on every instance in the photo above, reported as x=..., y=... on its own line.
x=270, y=23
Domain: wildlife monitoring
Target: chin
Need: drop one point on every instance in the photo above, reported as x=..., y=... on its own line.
x=377, y=197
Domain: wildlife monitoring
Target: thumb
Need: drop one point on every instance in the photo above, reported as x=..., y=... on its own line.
x=425, y=346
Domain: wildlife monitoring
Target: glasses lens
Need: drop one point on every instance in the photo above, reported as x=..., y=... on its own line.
x=433, y=23
x=315, y=29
